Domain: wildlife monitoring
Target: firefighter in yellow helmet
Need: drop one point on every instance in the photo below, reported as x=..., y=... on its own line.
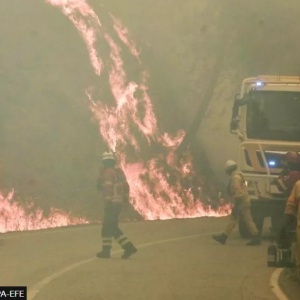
x=238, y=193
x=114, y=188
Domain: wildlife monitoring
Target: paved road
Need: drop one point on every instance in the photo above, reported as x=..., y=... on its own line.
x=177, y=259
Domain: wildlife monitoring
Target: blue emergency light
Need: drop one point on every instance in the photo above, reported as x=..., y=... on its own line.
x=272, y=163
x=259, y=83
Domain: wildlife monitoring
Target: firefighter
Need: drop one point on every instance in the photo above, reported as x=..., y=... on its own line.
x=292, y=217
x=113, y=185
x=290, y=174
x=289, y=182
x=238, y=193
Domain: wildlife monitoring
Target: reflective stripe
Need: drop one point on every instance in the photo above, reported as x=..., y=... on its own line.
x=237, y=187
x=106, y=241
x=291, y=200
x=114, y=186
x=123, y=236
x=106, y=244
x=122, y=240
x=126, y=241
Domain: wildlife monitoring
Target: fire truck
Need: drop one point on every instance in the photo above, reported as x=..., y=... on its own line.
x=266, y=120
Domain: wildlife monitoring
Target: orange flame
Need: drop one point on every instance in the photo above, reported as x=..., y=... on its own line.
x=86, y=24
x=152, y=194
x=164, y=201
x=16, y=218
x=123, y=34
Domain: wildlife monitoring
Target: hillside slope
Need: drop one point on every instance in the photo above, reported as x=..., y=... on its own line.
x=50, y=147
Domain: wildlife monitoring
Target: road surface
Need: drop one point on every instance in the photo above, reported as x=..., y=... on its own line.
x=177, y=259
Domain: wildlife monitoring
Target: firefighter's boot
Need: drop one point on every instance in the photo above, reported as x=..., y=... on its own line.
x=221, y=238
x=106, y=247
x=256, y=240
x=105, y=253
x=129, y=250
x=127, y=245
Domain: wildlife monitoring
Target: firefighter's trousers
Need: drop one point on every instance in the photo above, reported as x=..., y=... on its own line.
x=241, y=210
x=110, y=226
x=297, y=254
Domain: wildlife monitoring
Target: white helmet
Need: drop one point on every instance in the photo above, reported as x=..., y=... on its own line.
x=230, y=164
x=108, y=156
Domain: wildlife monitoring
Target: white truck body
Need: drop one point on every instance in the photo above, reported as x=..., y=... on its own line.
x=266, y=119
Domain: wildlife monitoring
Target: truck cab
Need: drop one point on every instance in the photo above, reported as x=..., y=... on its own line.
x=266, y=120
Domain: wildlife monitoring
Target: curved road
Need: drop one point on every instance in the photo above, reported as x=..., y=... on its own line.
x=177, y=259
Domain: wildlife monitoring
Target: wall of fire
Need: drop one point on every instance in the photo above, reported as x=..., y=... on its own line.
x=49, y=146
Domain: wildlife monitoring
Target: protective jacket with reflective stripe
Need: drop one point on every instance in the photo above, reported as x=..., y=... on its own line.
x=286, y=182
x=113, y=185
x=237, y=188
x=292, y=206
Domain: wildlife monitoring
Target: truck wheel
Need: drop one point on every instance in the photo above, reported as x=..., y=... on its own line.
x=243, y=230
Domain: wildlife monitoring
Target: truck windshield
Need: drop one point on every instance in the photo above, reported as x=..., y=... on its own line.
x=274, y=115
